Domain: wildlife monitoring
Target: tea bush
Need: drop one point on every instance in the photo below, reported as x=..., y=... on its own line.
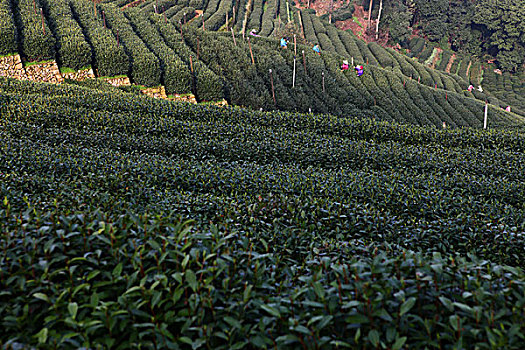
x=176, y=76
x=9, y=37
x=132, y=222
x=145, y=66
x=37, y=41
x=73, y=51
x=110, y=59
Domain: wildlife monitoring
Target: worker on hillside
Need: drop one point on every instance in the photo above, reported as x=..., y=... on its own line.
x=317, y=49
x=253, y=32
x=284, y=43
x=507, y=109
x=345, y=65
x=470, y=87
x=359, y=70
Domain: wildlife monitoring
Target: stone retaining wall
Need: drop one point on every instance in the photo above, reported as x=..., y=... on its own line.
x=121, y=81
x=158, y=92
x=47, y=72
x=12, y=67
x=80, y=75
x=190, y=98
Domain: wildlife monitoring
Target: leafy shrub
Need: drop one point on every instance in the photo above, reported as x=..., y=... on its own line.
x=218, y=17
x=416, y=45
x=383, y=57
x=175, y=73
x=132, y=222
x=268, y=17
x=309, y=30
x=325, y=43
x=338, y=45
x=72, y=48
x=426, y=53
x=145, y=66
x=37, y=43
x=109, y=58
x=9, y=37
x=189, y=12
x=208, y=85
x=445, y=58
x=368, y=56
x=349, y=40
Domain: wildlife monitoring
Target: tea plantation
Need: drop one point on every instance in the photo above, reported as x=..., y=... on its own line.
x=129, y=222
x=213, y=57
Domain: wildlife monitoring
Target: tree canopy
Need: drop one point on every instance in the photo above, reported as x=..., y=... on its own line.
x=483, y=27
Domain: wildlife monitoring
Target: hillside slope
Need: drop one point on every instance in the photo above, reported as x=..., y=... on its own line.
x=131, y=222
x=199, y=55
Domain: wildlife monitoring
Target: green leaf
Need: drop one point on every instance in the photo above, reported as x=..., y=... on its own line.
x=191, y=279
x=399, y=343
x=350, y=304
x=117, y=270
x=338, y=343
x=373, y=336
x=232, y=322
x=42, y=296
x=326, y=320
x=247, y=292
x=463, y=307
x=319, y=290
x=447, y=302
x=185, y=261
x=73, y=309
x=407, y=305
x=272, y=311
x=239, y=345
x=302, y=329
x=357, y=319
x=42, y=336
x=357, y=335
x=185, y=340
x=454, y=320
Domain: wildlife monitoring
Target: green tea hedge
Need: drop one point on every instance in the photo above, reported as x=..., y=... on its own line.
x=73, y=51
x=37, y=41
x=145, y=66
x=110, y=59
x=9, y=37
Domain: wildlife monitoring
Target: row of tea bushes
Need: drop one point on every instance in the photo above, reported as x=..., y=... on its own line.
x=9, y=37
x=109, y=57
x=304, y=229
x=73, y=51
x=145, y=66
x=176, y=75
x=208, y=86
x=36, y=39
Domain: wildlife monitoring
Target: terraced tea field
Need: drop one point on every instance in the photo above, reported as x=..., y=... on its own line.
x=128, y=222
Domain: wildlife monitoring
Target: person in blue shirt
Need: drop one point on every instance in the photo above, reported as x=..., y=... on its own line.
x=359, y=70
x=317, y=49
x=284, y=43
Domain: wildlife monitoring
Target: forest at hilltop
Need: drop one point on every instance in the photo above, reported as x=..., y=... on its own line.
x=483, y=28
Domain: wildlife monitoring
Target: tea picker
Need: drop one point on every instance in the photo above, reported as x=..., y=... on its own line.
x=359, y=70
x=284, y=43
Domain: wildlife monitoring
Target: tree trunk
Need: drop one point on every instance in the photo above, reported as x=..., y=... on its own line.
x=331, y=10
x=378, y=19
x=370, y=13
